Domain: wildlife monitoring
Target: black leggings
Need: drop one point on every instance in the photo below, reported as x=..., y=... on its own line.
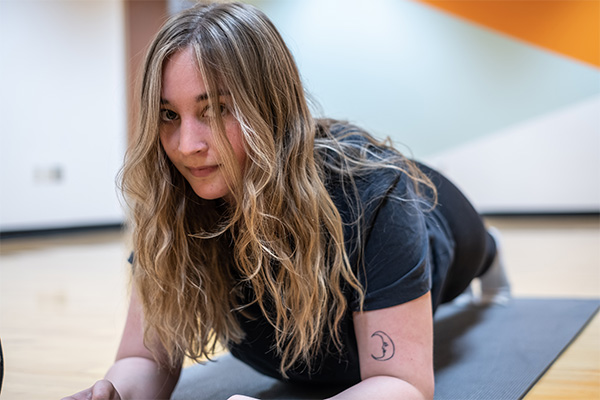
x=475, y=248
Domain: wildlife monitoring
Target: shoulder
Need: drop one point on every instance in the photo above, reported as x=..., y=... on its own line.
x=358, y=168
x=349, y=136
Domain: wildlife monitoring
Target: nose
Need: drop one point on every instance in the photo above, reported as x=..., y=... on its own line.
x=193, y=137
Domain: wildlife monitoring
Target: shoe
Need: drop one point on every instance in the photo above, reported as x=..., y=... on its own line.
x=494, y=283
x=466, y=298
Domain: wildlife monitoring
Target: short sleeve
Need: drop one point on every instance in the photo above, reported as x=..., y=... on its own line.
x=395, y=266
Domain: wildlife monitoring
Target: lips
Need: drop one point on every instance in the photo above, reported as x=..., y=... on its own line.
x=202, y=172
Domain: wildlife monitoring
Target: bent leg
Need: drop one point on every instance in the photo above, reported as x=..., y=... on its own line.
x=475, y=248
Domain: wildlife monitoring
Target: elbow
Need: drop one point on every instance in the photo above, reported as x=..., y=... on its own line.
x=423, y=391
x=427, y=388
x=428, y=392
x=403, y=389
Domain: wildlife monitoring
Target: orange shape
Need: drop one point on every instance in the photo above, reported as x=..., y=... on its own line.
x=569, y=27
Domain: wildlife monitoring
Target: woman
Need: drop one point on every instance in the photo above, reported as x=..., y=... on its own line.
x=310, y=250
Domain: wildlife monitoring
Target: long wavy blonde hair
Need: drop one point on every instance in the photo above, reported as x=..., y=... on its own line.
x=281, y=237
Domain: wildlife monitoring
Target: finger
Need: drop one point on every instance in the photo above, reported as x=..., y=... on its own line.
x=83, y=395
x=104, y=390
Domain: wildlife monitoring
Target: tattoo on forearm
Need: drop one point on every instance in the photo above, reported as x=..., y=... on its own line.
x=387, y=346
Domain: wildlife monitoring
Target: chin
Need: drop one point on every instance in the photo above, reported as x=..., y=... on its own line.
x=211, y=195
x=210, y=190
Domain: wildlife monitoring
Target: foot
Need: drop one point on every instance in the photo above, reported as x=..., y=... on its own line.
x=495, y=287
x=466, y=298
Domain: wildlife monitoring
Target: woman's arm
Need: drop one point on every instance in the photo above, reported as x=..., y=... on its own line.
x=135, y=374
x=395, y=347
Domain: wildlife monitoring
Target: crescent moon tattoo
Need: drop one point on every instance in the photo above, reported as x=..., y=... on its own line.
x=388, y=349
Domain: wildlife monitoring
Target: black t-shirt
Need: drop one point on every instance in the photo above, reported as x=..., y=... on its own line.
x=407, y=250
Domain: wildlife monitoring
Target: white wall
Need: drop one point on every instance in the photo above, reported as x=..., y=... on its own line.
x=549, y=164
x=63, y=130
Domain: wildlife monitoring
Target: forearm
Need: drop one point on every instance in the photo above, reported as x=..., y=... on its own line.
x=141, y=378
x=382, y=387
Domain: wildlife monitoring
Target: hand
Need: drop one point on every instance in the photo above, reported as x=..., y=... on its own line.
x=102, y=390
x=241, y=397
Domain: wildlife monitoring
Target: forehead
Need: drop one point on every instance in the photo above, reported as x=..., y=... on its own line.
x=181, y=77
x=181, y=62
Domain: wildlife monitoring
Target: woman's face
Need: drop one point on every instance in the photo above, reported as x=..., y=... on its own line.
x=185, y=127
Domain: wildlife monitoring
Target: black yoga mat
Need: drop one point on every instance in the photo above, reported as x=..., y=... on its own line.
x=480, y=353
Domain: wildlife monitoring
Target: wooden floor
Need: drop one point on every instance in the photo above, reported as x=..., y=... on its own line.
x=63, y=302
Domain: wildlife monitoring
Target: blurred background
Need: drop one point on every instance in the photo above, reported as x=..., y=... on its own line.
x=503, y=96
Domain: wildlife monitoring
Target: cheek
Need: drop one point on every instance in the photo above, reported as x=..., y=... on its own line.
x=240, y=154
x=237, y=143
x=166, y=144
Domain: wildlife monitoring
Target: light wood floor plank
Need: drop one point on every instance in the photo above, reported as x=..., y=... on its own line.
x=576, y=374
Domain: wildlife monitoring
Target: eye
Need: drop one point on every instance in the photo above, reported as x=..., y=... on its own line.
x=209, y=111
x=167, y=115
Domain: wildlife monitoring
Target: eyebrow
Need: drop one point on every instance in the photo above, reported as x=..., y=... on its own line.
x=201, y=96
